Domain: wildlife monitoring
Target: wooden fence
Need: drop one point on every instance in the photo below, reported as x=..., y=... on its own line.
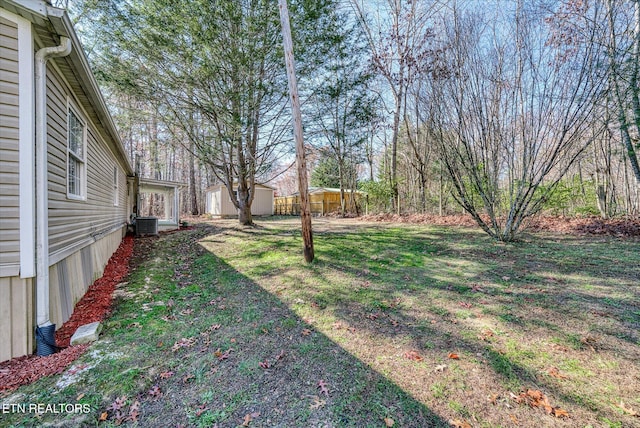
x=321, y=203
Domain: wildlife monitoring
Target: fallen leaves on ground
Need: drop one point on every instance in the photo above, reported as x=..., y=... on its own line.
x=413, y=355
x=477, y=288
x=324, y=388
x=183, y=343
x=134, y=411
x=535, y=398
x=389, y=422
x=155, y=392
x=118, y=403
x=623, y=227
x=166, y=375
x=628, y=410
x=317, y=403
x=222, y=355
x=454, y=356
x=457, y=423
x=119, y=413
x=485, y=335
x=590, y=342
x=248, y=418
x=559, y=347
x=201, y=409
x=554, y=372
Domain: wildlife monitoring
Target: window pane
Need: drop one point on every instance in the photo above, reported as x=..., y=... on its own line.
x=71, y=176
x=75, y=135
x=75, y=176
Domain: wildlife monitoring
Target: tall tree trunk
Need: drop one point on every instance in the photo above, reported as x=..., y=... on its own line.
x=244, y=211
x=394, y=146
x=635, y=73
x=301, y=162
x=341, y=180
x=441, y=190
x=192, y=182
x=614, y=75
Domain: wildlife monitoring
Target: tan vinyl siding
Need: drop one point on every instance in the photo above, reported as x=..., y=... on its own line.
x=68, y=281
x=74, y=221
x=70, y=278
x=9, y=148
x=16, y=317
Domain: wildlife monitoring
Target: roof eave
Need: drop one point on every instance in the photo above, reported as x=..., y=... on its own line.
x=62, y=25
x=40, y=13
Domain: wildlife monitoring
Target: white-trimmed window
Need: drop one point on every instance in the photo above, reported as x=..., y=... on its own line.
x=116, y=199
x=76, y=155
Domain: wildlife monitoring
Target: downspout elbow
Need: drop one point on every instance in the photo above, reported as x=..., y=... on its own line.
x=64, y=49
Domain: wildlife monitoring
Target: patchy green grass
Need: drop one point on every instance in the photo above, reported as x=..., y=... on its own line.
x=226, y=325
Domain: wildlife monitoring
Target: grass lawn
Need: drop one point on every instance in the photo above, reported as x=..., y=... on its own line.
x=392, y=325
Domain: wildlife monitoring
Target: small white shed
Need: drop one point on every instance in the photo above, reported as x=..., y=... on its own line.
x=219, y=203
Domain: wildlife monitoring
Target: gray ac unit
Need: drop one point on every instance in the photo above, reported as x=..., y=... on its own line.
x=146, y=226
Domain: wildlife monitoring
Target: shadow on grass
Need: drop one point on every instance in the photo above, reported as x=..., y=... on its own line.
x=254, y=356
x=514, y=277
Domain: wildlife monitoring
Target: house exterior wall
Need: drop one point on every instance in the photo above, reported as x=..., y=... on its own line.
x=17, y=305
x=9, y=150
x=83, y=234
x=68, y=281
x=69, y=278
x=17, y=295
x=75, y=223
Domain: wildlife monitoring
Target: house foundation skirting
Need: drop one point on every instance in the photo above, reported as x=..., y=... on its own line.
x=69, y=279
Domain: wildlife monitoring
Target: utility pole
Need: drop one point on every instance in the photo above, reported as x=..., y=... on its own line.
x=301, y=163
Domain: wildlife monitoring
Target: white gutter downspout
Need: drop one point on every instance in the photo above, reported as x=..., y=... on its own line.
x=42, y=205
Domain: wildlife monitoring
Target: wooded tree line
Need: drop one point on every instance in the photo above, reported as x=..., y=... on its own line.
x=502, y=110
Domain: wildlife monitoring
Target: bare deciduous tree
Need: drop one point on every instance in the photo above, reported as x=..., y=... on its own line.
x=513, y=117
x=398, y=38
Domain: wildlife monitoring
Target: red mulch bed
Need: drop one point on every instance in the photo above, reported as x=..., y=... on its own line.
x=579, y=225
x=95, y=305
